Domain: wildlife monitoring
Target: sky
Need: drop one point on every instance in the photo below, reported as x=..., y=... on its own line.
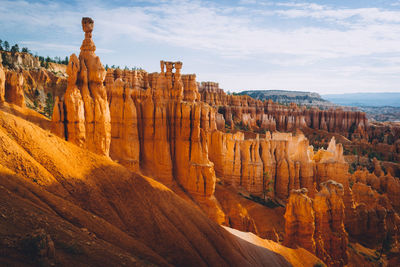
x=341, y=46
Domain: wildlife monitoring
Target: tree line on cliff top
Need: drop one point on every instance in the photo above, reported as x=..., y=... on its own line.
x=44, y=61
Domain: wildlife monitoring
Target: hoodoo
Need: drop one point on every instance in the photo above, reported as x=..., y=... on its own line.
x=85, y=112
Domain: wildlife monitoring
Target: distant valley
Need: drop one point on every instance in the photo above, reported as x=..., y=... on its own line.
x=365, y=99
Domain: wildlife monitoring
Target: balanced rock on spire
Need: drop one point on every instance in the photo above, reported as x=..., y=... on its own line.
x=86, y=120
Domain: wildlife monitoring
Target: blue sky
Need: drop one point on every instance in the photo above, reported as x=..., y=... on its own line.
x=321, y=46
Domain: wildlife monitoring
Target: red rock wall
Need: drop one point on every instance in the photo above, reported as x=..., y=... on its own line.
x=14, y=92
x=317, y=224
x=271, y=116
x=2, y=82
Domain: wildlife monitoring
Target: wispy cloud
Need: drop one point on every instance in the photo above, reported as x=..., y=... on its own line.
x=288, y=35
x=198, y=25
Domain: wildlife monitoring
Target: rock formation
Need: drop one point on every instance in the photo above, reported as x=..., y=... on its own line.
x=2, y=82
x=14, y=92
x=264, y=166
x=124, y=131
x=330, y=234
x=300, y=221
x=156, y=118
x=376, y=213
x=318, y=224
x=87, y=119
x=268, y=115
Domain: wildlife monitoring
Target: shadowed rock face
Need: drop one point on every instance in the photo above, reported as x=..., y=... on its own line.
x=376, y=202
x=330, y=234
x=318, y=224
x=300, y=221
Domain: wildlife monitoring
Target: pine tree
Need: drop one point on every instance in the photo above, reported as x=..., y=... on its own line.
x=6, y=46
x=48, y=109
x=14, y=49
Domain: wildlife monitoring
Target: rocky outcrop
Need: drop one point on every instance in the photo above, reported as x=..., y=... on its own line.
x=156, y=118
x=376, y=213
x=87, y=114
x=2, y=82
x=124, y=131
x=14, y=92
x=318, y=224
x=269, y=166
x=74, y=106
x=330, y=234
x=171, y=126
x=267, y=115
x=300, y=221
x=20, y=60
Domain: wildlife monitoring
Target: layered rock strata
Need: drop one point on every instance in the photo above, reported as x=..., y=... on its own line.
x=300, y=221
x=330, y=234
x=271, y=116
x=318, y=224
x=269, y=166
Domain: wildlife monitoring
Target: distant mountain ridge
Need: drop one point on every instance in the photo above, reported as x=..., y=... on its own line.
x=287, y=97
x=365, y=99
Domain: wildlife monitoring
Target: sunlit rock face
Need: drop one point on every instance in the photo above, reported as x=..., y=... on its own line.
x=2, y=82
x=86, y=111
x=160, y=127
x=271, y=166
x=13, y=89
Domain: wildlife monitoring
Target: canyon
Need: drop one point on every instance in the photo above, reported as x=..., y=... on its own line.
x=160, y=163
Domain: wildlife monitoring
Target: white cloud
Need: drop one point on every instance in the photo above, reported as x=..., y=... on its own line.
x=273, y=33
x=195, y=25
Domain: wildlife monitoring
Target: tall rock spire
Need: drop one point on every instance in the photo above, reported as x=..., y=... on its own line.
x=87, y=121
